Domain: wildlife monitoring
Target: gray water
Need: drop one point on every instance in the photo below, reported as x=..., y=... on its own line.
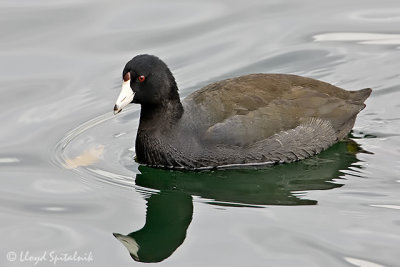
x=68, y=178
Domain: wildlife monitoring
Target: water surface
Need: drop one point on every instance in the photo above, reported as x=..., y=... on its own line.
x=69, y=182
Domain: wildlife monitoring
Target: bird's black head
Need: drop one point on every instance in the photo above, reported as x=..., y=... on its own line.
x=147, y=80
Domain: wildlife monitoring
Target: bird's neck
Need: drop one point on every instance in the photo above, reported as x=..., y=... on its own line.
x=156, y=123
x=161, y=116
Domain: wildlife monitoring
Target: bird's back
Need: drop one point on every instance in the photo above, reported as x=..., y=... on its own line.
x=250, y=108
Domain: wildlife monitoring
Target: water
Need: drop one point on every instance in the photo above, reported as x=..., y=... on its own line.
x=68, y=179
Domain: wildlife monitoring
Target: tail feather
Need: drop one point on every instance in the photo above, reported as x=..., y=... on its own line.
x=360, y=96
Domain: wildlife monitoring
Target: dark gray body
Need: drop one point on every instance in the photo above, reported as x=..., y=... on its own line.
x=253, y=119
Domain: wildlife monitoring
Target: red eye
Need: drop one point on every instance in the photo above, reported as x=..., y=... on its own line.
x=141, y=78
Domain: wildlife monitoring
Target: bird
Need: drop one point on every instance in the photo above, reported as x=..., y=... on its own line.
x=250, y=120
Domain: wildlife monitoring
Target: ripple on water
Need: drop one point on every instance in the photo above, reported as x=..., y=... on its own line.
x=30, y=234
x=377, y=15
x=394, y=207
x=98, y=148
x=64, y=16
x=166, y=30
x=58, y=187
x=362, y=263
x=364, y=38
x=9, y=160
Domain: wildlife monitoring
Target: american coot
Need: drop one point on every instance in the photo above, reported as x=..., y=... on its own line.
x=249, y=120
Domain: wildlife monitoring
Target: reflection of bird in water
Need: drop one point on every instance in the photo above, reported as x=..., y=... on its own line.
x=167, y=219
x=169, y=212
x=130, y=243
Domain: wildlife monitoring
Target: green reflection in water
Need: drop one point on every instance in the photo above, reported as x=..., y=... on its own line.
x=167, y=218
x=169, y=212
